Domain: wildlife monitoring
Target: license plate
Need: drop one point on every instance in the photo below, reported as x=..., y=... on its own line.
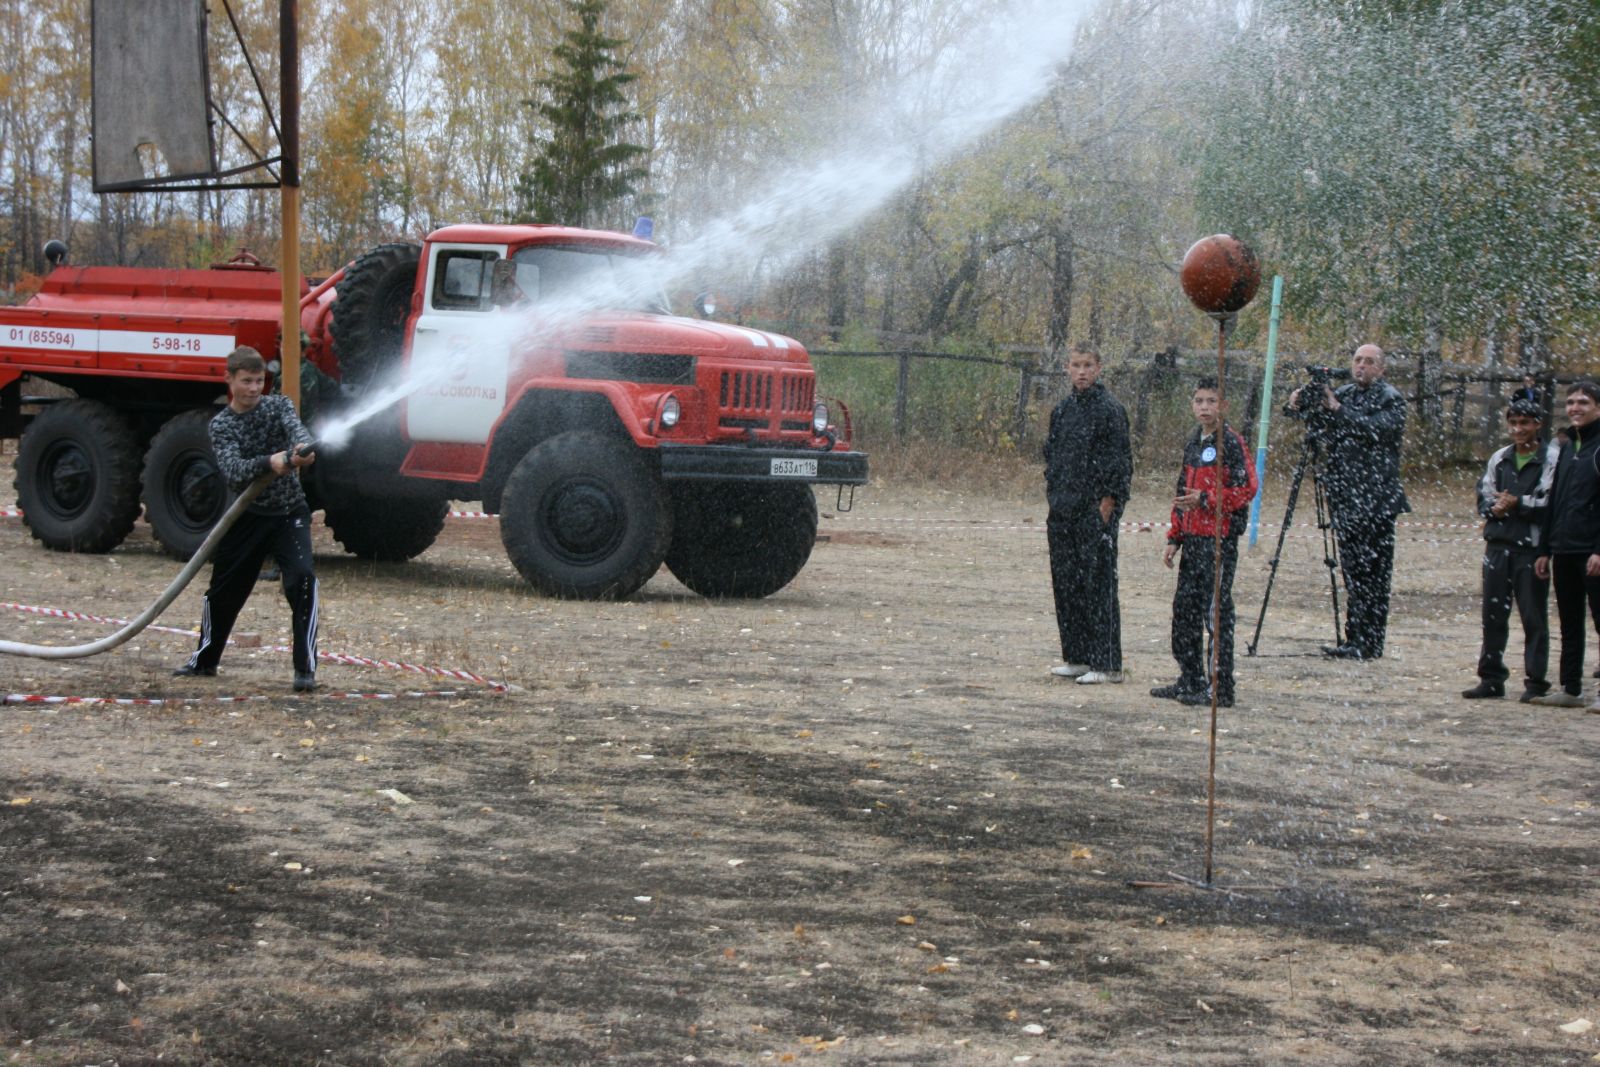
x=794, y=468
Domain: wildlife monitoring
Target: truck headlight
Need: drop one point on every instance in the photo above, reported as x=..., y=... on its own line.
x=819, y=418
x=671, y=411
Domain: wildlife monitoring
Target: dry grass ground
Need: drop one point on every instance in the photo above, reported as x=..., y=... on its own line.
x=855, y=823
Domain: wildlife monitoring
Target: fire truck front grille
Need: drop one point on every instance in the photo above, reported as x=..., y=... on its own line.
x=745, y=391
x=759, y=399
x=797, y=394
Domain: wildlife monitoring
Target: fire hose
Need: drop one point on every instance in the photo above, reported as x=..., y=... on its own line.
x=150, y=614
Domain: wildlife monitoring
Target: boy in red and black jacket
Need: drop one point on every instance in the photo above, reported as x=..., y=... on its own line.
x=1194, y=519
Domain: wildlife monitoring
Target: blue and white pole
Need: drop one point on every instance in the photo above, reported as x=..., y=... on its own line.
x=1264, y=422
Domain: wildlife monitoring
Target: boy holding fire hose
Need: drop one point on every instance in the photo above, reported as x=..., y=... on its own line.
x=252, y=435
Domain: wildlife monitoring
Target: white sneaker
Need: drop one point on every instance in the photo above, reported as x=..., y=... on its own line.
x=1069, y=670
x=1558, y=698
x=1098, y=677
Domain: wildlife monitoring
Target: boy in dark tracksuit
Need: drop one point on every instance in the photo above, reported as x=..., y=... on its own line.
x=1571, y=558
x=1193, y=531
x=1088, y=467
x=1514, y=500
x=252, y=435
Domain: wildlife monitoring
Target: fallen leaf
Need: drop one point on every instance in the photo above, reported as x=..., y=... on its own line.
x=396, y=796
x=17, y=802
x=927, y=946
x=1082, y=853
x=1033, y=1028
x=1203, y=1006
x=1011, y=1016
x=907, y=920
x=292, y=866
x=305, y=742
x=1576, y=1026
x=803, y=733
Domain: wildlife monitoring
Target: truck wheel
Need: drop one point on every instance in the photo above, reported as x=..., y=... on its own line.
x=741, y=540
x=184, y=492
x=370, y=306
x=583, y=516
x=387, y=529
x=78, y=477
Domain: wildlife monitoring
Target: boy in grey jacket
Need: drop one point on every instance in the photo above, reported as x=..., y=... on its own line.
x=1514, y=500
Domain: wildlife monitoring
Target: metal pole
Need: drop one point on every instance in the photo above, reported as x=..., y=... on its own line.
x=289, y=68
x=1264, y=421
x=1218, y=482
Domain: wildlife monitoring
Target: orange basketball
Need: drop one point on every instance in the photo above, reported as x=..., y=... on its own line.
x=1220, y=274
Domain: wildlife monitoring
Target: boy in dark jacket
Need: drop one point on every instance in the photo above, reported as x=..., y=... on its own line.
x=252, y=435
x=1514, y=500
x=1193, y=532
x=1571, y=554
x=1088, y=466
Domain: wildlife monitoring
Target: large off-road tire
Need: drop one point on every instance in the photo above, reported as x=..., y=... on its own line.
x=740, y=539
x=184, y=492
x=585, y=517
x=385, y=528
x=370, y=306
x=77, y=477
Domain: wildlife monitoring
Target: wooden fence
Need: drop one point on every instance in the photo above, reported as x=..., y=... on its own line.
x=1461, y=407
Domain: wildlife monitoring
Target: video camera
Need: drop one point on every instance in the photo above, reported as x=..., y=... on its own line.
x=1310, y=400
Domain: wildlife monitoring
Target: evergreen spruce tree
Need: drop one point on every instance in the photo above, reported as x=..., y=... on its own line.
x=584, y=168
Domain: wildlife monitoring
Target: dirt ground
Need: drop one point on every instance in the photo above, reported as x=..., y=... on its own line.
x=855, y=823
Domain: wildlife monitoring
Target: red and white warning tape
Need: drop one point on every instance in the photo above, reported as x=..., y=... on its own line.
x=63, y=613
x=41, y=698
x=1142, y=525
x=344, y=658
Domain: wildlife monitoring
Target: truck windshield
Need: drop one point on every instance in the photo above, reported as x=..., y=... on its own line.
x=589, y=277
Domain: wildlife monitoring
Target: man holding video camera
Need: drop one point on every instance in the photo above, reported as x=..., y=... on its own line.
x=1361, y=424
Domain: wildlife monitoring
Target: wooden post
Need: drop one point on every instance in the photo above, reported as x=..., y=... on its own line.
x=1019, y=428
x=902, y=386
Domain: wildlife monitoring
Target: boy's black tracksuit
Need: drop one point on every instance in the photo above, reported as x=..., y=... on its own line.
x=1088, y=456
x=1574, y=535
x=278, y=522
x=1512, y=543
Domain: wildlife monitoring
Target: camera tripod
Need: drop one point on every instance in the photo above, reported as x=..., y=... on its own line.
x=1310, y=455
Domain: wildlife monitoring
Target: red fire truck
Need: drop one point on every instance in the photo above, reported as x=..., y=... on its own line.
x=610, y=436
